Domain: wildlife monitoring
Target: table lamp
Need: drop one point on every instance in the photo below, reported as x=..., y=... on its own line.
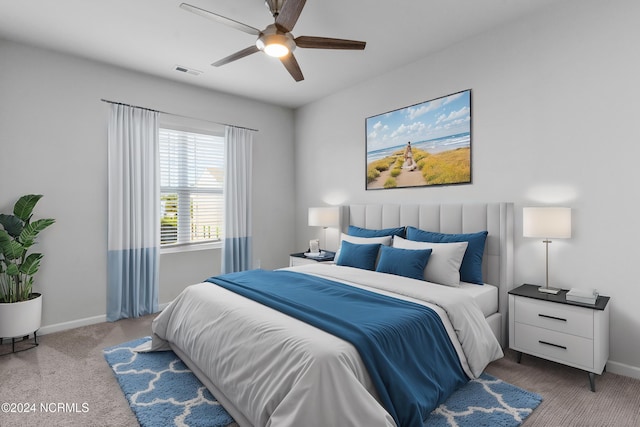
x=324, y=217
x=547, y=223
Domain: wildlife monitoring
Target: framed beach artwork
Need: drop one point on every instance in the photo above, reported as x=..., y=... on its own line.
x=421, y=145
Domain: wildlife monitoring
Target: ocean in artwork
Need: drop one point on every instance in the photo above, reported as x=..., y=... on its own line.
x=432, y=146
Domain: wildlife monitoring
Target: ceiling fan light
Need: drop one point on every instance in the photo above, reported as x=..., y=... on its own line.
x=276, y=50
x=276, y=44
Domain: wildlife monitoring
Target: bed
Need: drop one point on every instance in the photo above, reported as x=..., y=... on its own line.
x=268, y=368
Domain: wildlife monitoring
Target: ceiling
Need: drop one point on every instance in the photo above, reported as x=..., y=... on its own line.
x=155, y=36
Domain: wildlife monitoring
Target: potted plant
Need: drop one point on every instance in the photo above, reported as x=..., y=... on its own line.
x=20, y=309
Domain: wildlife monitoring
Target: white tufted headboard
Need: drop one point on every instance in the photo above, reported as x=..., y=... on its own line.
x=495, y=218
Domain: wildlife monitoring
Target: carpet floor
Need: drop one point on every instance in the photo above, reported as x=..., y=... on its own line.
x=69, y=368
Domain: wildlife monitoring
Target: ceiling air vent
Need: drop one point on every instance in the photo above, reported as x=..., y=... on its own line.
x=187, y=70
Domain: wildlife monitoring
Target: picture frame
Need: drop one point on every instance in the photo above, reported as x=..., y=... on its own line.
x=422, y=145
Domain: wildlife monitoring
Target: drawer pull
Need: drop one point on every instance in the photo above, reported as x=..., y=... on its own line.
x=552, y=317
x=552, y=345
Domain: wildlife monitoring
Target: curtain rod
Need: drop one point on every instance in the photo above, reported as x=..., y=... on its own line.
x=177, y=115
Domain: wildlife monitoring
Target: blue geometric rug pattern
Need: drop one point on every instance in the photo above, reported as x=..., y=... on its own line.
x=162, y=391
x=485, y=401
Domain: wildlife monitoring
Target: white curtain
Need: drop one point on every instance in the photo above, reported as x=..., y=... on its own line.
x=134, y=213
x=236, y=255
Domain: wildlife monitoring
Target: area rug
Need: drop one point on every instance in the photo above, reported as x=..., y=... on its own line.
x=485, y=401
x=162, y=391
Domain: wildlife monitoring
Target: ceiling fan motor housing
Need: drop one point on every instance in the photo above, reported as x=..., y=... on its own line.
x=271, y=37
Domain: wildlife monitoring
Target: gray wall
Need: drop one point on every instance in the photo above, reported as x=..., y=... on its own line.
x=53, y=140
x=554, y=111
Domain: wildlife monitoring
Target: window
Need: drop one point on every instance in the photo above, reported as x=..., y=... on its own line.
x=191, y=187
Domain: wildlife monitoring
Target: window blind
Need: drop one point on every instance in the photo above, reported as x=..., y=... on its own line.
x=191, y=187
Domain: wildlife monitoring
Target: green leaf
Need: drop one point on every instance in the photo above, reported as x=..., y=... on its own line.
x=13, y=270
x=31, y=264
x=10, y=248
x=24, y=206
x=12, y=224
x=31, y=231
x=4, y=237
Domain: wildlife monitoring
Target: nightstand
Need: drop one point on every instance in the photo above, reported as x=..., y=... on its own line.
x=567, y=332
x=300, y=259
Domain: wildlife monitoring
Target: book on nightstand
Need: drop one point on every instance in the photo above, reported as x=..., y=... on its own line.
x=584, y=296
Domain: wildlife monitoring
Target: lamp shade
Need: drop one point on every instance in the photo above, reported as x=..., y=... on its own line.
x=546, y=222
x=324, y=217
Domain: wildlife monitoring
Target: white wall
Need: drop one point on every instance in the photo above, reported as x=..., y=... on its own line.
x=53, y=141
x=554, y=112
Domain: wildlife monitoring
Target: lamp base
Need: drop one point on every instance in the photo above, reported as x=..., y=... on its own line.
x=553, y=291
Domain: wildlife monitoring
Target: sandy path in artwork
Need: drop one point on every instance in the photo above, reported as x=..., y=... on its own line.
x=405, y=179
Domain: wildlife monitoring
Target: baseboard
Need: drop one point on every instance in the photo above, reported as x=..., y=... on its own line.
x=72, y=324
x=622, y=369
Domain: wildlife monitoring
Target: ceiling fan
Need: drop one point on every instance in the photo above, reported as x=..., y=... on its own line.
x=276, y=39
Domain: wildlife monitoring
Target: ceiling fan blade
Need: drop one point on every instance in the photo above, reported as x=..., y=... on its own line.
x=289, y=14
x=328, y=43
x=235, y=56
x=290, y=63
x=221, y=19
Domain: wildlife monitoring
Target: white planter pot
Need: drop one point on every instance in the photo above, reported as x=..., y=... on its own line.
x=20, y=319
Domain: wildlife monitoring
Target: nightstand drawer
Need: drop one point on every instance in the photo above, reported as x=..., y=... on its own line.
x=552, y=345
x=300, y=259
x=556, y=317
x=293, y=261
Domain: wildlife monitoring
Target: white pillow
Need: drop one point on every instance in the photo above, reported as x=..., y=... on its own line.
x=385, y=240
x=444, y=263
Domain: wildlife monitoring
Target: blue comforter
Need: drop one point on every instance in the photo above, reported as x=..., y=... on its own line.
x=403, y=345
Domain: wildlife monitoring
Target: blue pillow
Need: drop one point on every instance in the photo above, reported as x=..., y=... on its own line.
x=358, y=256
x=471, y=268
x=403, y=262
x=365, y=232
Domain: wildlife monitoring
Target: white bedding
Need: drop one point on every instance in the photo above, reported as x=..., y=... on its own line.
x=279, y=371
x=486, y=296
